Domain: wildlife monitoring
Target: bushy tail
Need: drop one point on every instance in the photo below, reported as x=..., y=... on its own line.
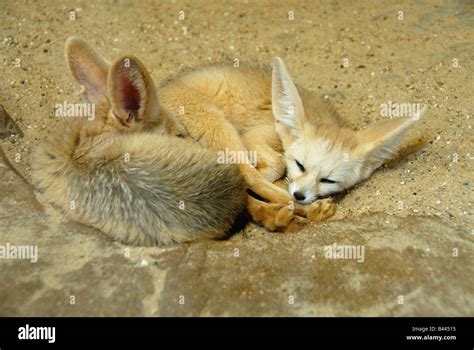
x=139, y=188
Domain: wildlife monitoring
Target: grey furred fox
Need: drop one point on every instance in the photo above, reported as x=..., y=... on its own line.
x=134, y=179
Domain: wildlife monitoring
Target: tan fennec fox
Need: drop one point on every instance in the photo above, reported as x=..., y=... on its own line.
x=290, y=129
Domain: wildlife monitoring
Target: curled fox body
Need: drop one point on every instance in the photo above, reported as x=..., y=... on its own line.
x=292, y=131
x=135, y=183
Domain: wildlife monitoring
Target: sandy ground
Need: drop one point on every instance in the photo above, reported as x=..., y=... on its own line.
x=426, y=57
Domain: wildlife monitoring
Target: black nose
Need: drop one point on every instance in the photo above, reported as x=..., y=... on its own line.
x=298, y=196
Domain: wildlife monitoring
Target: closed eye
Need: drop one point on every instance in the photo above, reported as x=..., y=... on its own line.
x=328, y=181
x=300, y=166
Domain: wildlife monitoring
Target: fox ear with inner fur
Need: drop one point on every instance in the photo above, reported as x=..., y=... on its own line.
x=125, y=86
x=88, y=68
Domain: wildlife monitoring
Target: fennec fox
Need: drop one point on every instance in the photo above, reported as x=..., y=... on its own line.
x=123, y=174
x=290, y=129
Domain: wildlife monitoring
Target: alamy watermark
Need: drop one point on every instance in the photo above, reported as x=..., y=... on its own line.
x=20, y=252
x=407, y=110
x=80, y=110
x=37, y=333
x=345, y=252
x=237, y=157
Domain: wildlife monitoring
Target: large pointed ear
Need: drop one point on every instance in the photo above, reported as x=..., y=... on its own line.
x=286, y=103
x=132, y=92
x=380, y=142
x=88, y=68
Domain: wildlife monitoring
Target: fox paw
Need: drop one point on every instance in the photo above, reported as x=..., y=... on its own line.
x=296, y=224
x=279, y=217
x=321, y=210
x=274, y=217
x=283, y=219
